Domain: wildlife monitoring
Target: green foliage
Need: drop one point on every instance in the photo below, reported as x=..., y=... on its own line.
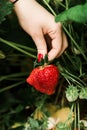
x=5, y=9
x=76, y=14
x=42, y=62
x=62, y=126
x=33, y=124
x=19, y=101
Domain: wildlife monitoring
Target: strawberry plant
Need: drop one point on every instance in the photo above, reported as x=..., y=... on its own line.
x=36, y=103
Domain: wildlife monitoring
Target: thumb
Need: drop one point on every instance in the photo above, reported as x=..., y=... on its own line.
x=40, y=43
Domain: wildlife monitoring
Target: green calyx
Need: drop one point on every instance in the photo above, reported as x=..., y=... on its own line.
x=42, y=62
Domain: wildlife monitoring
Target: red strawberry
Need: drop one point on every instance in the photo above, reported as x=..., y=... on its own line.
x=44, y=78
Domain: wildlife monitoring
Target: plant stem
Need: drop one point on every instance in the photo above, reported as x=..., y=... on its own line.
x=60, y=3
x=70, y=59
x=75, y=116
x=75, y=43
x=58, y=91
x=25, y=47
x=49, y=7
x=12, y=76
x=11, y=86
x=78, y=115
x=11, y=44
x=75, y=78
x=66, y=4
x=80, y=69
x=70, y=114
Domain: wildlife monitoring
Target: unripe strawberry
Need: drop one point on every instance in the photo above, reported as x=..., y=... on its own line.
x=44, y=78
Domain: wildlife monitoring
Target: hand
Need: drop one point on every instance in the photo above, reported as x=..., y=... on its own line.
x=40, y=25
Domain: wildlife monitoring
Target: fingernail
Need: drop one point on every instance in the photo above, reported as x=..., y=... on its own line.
x=40, y=56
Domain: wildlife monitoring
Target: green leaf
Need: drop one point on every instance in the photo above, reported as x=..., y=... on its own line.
x=33, y=123
x=62, y=126
x=5, y=9
x=19, y=108
x=77, y=14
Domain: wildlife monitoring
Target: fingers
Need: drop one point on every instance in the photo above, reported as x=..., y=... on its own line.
x=64, y=44
x=40, y=42
x=59, y=44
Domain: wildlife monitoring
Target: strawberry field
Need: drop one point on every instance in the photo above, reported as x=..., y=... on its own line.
x=22, y=106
